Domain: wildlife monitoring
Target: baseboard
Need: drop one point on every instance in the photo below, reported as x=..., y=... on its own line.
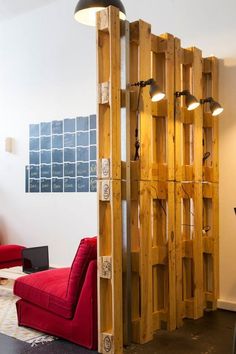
x=226, y=305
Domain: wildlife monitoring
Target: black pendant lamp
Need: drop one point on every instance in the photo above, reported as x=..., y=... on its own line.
x=85, y=11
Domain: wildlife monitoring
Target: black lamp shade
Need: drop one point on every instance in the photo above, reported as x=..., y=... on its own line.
x=155, y=91
x=191, y=102
x=85, y=11
x=216, y=108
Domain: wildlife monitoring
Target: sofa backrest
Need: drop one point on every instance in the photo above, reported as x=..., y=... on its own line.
x=87, y=251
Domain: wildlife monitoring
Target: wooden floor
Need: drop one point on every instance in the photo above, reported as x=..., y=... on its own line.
x=209, y=335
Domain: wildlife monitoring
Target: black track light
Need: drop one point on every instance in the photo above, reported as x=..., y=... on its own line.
x=85, y=11
x=155, y=91
x=190, y=100
x=215, y=107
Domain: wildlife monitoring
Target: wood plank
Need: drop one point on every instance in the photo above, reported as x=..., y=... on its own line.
x=197, y=252
x=146, y=330
x=198, y=114
x=170, y=82
x=110, y=322
x=178, y=115
x=179, y=255
x=146, y=107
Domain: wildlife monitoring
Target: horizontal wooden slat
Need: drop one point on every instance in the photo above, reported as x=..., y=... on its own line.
x=207, y=65
x=186, y=56
x=207, y=120
x=160, y=172
x=159, y=255
x=207, y=190
x=135, y=259
x=187, y=249
x=187, y=116
x=159, y=109
x=208, y=244
x=159, y=44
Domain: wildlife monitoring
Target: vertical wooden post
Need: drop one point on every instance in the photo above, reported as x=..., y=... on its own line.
x=211, y=174
x=109, y=183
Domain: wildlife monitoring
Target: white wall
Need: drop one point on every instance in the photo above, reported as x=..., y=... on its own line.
x=48, y=71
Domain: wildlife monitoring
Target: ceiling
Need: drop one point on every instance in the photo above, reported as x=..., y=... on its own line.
x=11, y=8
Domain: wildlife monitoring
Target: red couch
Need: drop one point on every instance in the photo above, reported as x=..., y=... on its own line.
x=63, y=301
x=10, y=256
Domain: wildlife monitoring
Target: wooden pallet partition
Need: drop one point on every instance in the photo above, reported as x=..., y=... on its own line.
x=174, y=263
x=210, y=194
x=153, y=264
x=110, y=320
x=210, y=123
x=189, y=264
x=188, y=124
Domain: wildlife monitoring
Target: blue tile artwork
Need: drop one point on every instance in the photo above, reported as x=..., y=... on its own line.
x=82, y=123
x=93, y=152
x=34, y=144
x=62, y=156
x=69, y=125
x=82, y=153
x=57, y=127
x=93, y=138
x=45, y=143
x=26, y=179
x=57, y=155
x=57, y=169
x=82, y=184
x=34, y=185
x=69, y=155
x=93, y=121
x=45, y=128
x=34, y=130
x=57, y=185
x=46, y=156
x=34, y=158
x=69, y=140
x=57, y=141
x=93, y=184
x=93, y=168
x=46, y=171
x=33, y=171
x=69, y=170
x=69, y=185
x=82, y=139
x=83, y=169
x=46, y=185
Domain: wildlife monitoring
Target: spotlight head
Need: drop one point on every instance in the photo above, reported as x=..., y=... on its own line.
x=190, y=100
x=85, y=11
x=155, y=91
x=215, y=107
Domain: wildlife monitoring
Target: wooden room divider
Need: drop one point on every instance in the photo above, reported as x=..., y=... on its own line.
x=158, y=215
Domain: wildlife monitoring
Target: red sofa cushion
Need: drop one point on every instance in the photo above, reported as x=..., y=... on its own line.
x=10, y=253
x=46, y=289
x=57, y=290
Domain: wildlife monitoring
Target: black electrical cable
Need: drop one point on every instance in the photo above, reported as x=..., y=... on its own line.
x=137, y=142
